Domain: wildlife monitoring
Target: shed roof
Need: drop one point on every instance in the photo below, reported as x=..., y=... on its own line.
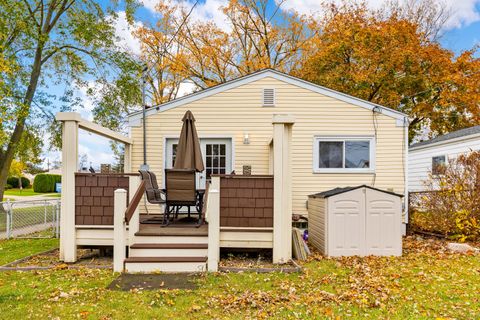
x=336, y=191
x=449, y=136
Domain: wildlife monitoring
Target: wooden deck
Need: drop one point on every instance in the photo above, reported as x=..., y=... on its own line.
x=172, y=230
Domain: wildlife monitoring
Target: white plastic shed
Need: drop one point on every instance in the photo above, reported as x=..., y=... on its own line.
x=355, y=221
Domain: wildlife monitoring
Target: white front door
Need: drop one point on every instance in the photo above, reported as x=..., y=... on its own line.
x=216, y=153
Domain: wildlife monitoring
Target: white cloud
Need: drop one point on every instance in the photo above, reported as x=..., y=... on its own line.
x=96, y=148
x=124, y=32
x=463, y=12
x=185, y=88
x=210, y=10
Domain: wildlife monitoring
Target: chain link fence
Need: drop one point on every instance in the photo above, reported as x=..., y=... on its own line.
x=30, y=219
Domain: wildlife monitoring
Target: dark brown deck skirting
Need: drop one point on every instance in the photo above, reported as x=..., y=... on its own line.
x=169, y=246
x=164, y=259
x=246, y=201
x=94, y=197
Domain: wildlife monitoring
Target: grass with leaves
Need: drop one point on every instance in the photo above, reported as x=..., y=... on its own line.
x=14, y=249
x=426, y=282
x=28, y=192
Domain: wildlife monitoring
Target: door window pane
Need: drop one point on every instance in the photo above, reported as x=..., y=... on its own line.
x=330, y=154
x=357, y=154
x=216, y=159
x=174, y=153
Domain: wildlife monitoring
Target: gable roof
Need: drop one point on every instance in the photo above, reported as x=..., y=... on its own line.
x=264, y=74
x=449, y=136
x=336, y=191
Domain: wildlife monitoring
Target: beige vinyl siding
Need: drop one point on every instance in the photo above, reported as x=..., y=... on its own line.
x=237, y=111
x=317, y=223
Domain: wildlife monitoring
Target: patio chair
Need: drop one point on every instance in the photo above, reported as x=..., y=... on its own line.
x=154, y=194
x=181, y=190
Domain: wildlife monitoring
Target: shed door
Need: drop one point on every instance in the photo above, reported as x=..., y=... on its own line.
x=346, y=224
x=383, y=224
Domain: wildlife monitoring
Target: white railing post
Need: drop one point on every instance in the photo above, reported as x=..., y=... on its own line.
x=213, y=216
x=68, y=241
x=134, y=223
x=119, y=245
x=282, y=188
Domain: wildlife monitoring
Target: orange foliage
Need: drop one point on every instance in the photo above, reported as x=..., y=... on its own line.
x=386, y=59
x=390, y=56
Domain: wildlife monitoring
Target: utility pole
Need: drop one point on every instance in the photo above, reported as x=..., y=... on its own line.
x=144, y=108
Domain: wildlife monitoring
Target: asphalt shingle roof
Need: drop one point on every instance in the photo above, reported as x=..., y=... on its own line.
x=452, y=135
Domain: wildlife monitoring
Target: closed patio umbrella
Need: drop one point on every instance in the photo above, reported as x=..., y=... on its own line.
x=189, y=154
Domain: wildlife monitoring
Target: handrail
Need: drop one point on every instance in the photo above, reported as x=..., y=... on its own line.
x=132, y=206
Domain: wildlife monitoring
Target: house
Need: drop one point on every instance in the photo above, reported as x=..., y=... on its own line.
x=429, y=157
x=285, y=139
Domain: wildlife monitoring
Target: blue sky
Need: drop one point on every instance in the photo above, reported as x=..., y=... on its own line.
x=462, y=33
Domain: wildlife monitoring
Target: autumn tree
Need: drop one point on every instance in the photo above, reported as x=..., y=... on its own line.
x=46, y=42
x=387, y=59
x=179, y=50
x=16, y=170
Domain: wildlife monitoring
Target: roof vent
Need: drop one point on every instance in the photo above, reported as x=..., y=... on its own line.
x=268, y=97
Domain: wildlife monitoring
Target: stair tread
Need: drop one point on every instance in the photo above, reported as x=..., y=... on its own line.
x=164, y=259
x=155, y=230
x=169, y=246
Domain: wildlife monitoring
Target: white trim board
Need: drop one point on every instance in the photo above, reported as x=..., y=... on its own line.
x=136, y=117
x=446, y=142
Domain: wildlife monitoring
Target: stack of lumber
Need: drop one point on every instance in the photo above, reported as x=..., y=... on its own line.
x=299, y=246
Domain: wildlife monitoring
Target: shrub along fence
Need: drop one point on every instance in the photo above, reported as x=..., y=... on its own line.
x=449, y=213
x=451, y=204
x=44, y=182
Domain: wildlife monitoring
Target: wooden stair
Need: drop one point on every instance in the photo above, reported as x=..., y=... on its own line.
x=169, y=249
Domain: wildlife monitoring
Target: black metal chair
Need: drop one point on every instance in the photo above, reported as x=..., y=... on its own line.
x=154, y=194
x=180, y=191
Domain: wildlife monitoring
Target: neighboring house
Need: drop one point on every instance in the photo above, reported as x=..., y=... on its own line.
x=295, y=138
x=429, y=157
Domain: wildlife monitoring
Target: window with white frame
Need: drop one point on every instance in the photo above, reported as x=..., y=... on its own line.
x=338, y=154
x=438, y=165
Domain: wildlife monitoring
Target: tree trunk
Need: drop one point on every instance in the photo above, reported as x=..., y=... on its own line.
x=6, y=157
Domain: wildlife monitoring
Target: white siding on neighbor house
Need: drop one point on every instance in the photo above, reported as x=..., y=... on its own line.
x=237, y=111
x=420, y=159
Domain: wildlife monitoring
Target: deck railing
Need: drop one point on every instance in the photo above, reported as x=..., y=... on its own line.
x=123, y=216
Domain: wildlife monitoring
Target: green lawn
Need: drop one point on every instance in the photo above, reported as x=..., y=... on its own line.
x=28, y=192
x=423, y=284
x=11, y=250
